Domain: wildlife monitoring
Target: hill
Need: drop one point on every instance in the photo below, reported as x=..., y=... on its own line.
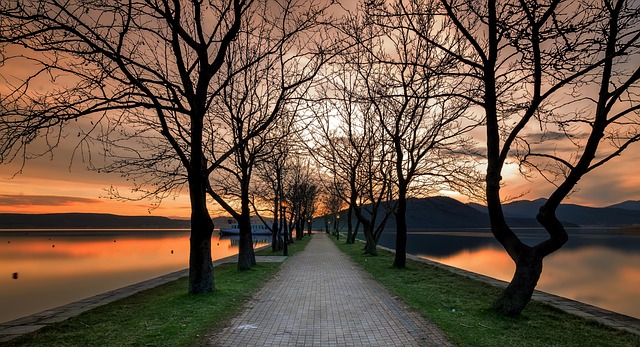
x=439, y=212
x=432, y=212
x=633, y=205
x=575, y=214
x=87, y=220
x=445, y=212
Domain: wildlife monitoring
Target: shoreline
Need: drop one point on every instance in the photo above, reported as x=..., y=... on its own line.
x=14, y=328
x=30, y=323
x=601, y=315
x=595, y=267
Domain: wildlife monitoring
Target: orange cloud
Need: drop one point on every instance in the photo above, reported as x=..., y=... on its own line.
x=42, y=200
x=83, y=191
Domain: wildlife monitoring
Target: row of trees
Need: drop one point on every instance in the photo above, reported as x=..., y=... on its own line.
x=177, y=93
x=245, y=102
x=564, y=68
x=391, y=126
x=554, y=84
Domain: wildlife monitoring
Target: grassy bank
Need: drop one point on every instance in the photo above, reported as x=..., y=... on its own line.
x=162, y=316
x=458, y=305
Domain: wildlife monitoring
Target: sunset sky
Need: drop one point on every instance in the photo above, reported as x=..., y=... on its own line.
x=50, y=186
x=55, y=184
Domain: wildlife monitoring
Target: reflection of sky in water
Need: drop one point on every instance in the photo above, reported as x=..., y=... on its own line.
x=55, y=268
x=598, y=267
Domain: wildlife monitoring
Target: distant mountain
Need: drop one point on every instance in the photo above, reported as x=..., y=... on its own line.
x=633, y=205
x=433, y=212
x=445, y=212
x=575, y=214
x=439, y=212
x=479, y=207
x=87, y=220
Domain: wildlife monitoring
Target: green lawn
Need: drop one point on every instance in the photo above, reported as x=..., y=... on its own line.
x=162, y=316
x=458, y=305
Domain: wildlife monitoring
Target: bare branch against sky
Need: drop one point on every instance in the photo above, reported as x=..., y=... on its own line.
x=146, y=48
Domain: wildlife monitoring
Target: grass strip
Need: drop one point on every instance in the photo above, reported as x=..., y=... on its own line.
x=163, y=316
x=459, y=306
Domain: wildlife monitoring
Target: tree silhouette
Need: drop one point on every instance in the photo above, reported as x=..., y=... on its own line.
x=271, y=173
x=535, y=65
x=141, y=72
x=414, y=102
x=139, y=79
x=271, y=67
x=354, y=151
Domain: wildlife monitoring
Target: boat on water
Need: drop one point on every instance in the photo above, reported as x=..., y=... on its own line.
x=256, y=229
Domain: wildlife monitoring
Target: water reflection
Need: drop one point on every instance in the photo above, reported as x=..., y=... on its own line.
x=596, y=266
x=57, y=267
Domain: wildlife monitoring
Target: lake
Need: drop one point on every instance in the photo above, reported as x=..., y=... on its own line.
x=600, y=267
x=56, y=267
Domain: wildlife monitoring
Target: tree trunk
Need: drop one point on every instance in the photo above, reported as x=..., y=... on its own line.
x=300, y=228
x=201, y=278
x=274, y=229
x=400, y=259
x=246, y=257
x=354, y=236
x=283, y=226
x=350, y=238
x=290, y=230
x=515, y=297
x=370, y=246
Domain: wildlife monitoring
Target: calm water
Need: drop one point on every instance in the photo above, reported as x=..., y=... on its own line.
x=62, y=266
x=599, y=267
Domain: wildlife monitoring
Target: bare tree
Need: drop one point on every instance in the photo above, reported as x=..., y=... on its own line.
x=275, y=62
x=301, y=192
x=271, y=173
x=361, y=171
x=522, y=62
x=376, y=177
x=353, y=147
x=142, y=78
x=411, y=94
x=338, y=146
x=333, y=205
x=136, y=76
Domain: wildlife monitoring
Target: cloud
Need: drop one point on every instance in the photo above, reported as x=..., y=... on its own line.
x=42, y=200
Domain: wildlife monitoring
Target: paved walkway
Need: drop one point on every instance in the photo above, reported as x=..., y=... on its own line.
x=321, y=298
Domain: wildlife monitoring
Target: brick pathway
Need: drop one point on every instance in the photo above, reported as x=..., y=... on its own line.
x=321, y=298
